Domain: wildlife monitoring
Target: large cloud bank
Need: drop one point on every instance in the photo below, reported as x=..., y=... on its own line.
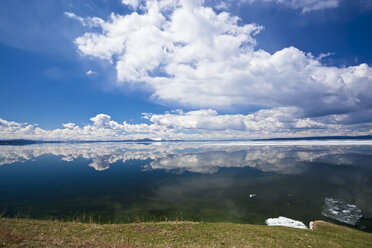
x=193, y=125
x=191, y=56
x=188, y=55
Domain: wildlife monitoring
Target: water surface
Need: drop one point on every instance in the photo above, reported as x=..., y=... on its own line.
x=242, y=182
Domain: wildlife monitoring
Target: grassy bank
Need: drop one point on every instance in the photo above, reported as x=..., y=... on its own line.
x=38, y=233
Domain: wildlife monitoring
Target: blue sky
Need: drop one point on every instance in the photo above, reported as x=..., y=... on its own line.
x=198, y=69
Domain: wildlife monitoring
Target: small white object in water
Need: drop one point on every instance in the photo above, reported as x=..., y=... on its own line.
x=252, y=195
x=283, y=221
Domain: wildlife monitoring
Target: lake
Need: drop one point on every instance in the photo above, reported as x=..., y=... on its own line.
x=240, y=182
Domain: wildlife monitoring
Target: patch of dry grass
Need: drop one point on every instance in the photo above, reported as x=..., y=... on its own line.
x=38, y=233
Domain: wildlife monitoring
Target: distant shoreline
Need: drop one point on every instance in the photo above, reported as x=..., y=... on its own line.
x=321, y=138
x=364, y=137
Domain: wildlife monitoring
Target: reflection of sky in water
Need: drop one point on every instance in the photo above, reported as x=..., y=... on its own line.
x=193, y=157
x=341, y=211
x=198, y=181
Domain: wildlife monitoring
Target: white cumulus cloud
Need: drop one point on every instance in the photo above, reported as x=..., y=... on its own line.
x=195, y=125
x=190, y=56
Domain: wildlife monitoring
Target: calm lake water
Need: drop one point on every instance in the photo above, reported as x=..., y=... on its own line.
x=243, y=182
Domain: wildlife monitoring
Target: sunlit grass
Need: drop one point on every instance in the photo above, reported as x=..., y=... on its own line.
x=44, y=233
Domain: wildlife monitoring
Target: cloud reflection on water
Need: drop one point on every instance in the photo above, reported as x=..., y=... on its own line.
x=198, y=157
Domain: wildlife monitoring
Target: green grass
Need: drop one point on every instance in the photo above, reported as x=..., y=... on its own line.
x=46, y=233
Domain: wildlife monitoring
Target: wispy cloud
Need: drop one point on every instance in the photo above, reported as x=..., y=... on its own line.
x=304, y=5
x=90, y=72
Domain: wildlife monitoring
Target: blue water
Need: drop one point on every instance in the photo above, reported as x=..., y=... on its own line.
x=242, y=182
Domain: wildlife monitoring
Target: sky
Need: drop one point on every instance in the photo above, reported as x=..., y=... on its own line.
x=185, y=69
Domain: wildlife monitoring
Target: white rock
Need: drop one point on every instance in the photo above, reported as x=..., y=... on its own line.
x=311, y=225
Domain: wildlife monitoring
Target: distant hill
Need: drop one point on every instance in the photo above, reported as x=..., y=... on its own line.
x=365, y=137
x=20, y=142
x=16, y=142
